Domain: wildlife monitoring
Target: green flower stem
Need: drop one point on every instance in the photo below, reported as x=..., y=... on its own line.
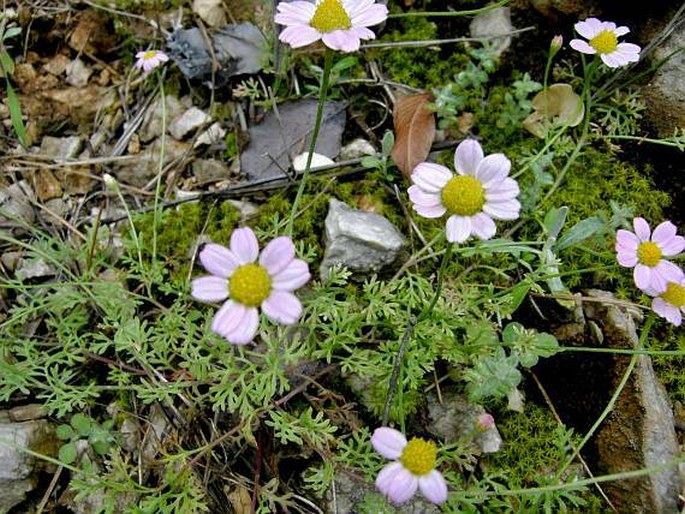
x=328, y=62
x=436, y=14
x=411, y=323
x=157, y=210
x=588, y=72
x=610, y=406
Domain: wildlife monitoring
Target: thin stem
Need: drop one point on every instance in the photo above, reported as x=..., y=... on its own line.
x=397, y=366
x=438, y=287
x=158, y=185
x=328, y=62
x=614, y=397
x=589, y=71
x=426, y=14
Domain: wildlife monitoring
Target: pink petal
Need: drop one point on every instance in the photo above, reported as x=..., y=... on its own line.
x=246, y=330
x=430, y=212
x=663, y=233
x=396, y=483
x=362, y=33
x=507, y=189
x=493, y=169
x=643, y=278
x=210, y=289
x=458, y=229
x=430, y=177
x=388, y=442
x=293, y=277
x=508, y=210
x=277, y=255
x=641, y=229
x=669, y=272
x=419, y=197
x=228, y=317
x=627, y=259
x=582, y=46
x=299, y=35
x=621, y=31
x=218, y=260
x=674, y=246
x=588, y=28
x=282, y=307
x=293, y=13
x=341, y=40
x=433, y=487
x=467, y=157
x=368, y=16
x=613, y=60
x=667, y=311
x=244, y=245
x=483, y=226
x=627, y=239
x=629, y=51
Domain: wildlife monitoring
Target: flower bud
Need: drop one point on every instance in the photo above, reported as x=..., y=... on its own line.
x=485, y=422
x=556, y=44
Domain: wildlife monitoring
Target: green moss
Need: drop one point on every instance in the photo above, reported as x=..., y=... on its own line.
x=418, y=67
x=180, y=228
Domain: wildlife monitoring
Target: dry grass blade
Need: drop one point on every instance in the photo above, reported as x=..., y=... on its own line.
x=414, y=131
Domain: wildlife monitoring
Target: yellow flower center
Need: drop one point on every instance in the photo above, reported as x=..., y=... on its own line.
x=463, y=196
x=674, y=294
x=150, y=54
x=649, y=254
x=250, y=285
x=330, y=15
x=605, y=42
x=419, y=456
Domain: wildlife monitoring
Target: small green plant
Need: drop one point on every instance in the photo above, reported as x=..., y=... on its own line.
x=7, y=69
x=81, y=427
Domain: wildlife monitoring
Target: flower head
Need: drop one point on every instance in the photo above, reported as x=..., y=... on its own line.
x=645, y=250
x=485, y=422
x=149, y=59
x=671, y=303
x=480, y=192
x=602, y=38
x=413, y=467
x=340, y=24
x=247, y=280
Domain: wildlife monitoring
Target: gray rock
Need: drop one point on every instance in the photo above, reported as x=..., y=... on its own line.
x=357, y=148
x=207, y=171
x=238, y=49
x=346, y=495
x=16, y=210
x=455, y=418
x=151, y=127
x=61, y=147
x=665, y=93
x=188, y=122
x=640, y=431
x=18, y=469
x=142, y=170
x=364, y=242
x=279, y=138
x=35, y=268
x=495, y=22
x=212, y=135
x=78, y=73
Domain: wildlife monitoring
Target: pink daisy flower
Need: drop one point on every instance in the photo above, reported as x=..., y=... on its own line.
x=645, y=250
x=602, y=38
x=414, y=467
x=671, y=303
x=479, y=193
x=149, y=59
x=340, y=24
x=247, y=280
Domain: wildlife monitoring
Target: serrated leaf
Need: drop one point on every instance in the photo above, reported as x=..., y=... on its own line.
x=68, y=453
x=414, y=125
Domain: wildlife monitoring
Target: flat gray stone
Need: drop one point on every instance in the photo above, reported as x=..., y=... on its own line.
x=188, y=122
x=279, y=138
x=61, y=147
x=151, y=127
x=18, y=469
x=495, y=22
x=16, y=210
x=363, y=242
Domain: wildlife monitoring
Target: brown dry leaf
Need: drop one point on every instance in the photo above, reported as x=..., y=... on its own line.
x=414, y=131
